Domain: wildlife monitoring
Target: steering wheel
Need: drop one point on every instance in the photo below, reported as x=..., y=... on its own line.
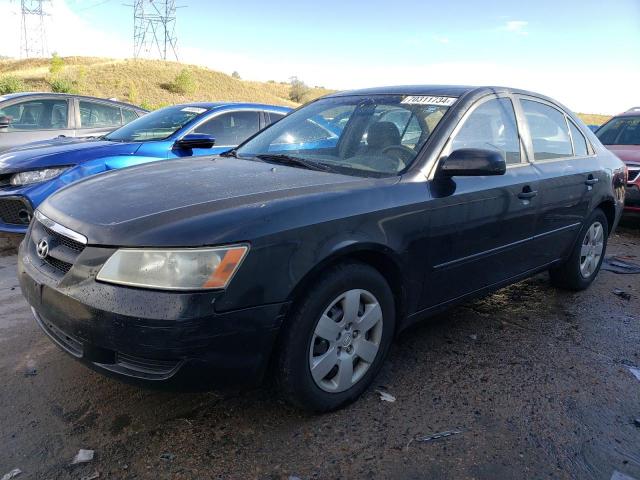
x=402, y=154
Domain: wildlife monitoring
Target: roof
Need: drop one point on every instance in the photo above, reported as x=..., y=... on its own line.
x=212, y=105
x=11, y=96
x=444, y=90
x=438, y=90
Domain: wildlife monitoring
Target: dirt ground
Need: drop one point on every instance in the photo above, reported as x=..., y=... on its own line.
x=537, y=382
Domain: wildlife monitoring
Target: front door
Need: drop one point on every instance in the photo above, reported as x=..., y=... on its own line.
x=481, y=227
x=229, y=129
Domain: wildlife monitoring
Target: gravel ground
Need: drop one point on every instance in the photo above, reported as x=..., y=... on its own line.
x=537, y=382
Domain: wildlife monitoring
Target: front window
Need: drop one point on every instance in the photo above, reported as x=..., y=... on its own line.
x=229, y=129
x=620, y=131
x=36, y=115
x=376, y=135
x=157, y=125
x=491, y=126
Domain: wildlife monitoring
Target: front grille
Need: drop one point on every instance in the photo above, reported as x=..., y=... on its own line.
x=15, y=211
x=63, y=251
x=62, y=240
x=61, y=265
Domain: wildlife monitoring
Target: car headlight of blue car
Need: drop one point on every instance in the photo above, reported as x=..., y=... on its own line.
x=36, y=176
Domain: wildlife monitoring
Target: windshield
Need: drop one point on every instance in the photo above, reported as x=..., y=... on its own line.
x=156, y=125
x=620, y=131
x=373, y=135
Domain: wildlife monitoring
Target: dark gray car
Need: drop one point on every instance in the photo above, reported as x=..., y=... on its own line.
x=30, y=117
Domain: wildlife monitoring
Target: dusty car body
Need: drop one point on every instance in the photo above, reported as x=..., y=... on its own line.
x=309, y=253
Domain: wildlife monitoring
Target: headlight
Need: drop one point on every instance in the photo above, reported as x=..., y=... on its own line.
x=183, y=269
x=35, y=176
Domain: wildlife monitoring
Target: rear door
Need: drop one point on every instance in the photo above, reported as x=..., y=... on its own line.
x=569, y=173
x=95, y=118
x=481, y=228
x=34, y=119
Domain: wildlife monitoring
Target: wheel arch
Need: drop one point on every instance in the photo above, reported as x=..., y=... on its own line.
x=608, y=207
x=379, y=257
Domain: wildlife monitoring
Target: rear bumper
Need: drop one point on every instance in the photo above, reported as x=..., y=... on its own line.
x=189, y=344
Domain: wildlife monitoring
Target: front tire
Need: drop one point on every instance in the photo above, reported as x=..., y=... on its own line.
x=583, y=265
x=336, y=338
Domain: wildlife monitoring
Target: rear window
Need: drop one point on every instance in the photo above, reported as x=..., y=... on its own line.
x=620, y=131
x=96, y=115
x=549, y=131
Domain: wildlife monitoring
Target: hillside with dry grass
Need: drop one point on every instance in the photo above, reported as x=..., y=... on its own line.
x=149, y=83
x=152, y=83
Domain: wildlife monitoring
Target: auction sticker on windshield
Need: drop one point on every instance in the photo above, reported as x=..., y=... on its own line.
x=197, y=110
x=429, y=100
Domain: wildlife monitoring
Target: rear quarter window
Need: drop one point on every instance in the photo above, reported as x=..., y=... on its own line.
x=579, y=142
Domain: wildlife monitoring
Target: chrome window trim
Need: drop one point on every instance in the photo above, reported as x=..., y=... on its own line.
x=61, y=229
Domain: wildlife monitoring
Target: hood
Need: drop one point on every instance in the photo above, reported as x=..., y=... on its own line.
x=125, y=207
x=626, y=153
x=61, y=151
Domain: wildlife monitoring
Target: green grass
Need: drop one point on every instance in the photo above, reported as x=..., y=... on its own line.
x=144, y=82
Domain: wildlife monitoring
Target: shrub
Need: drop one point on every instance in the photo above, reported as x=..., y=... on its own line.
x=236, y=75
x=11, y=84
x=184, y=83
x=297, y=90
x=132, y=95
x=63, y=85
x=56, y=65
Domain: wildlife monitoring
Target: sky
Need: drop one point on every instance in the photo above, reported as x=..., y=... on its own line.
x=583, y=53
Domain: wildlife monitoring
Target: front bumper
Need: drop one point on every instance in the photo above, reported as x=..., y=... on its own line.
x=15, y=213
x=632, y=198
x=145, y=335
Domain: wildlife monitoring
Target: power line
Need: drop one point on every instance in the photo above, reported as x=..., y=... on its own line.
x=154, y=29
x=33, y=35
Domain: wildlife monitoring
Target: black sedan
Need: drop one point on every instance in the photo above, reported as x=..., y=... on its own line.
x=303, y=252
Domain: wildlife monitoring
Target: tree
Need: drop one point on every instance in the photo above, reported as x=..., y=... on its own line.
x=236, y=75
x=298, y=89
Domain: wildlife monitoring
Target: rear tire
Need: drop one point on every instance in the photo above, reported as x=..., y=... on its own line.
x=336, y=338
x=583, y=265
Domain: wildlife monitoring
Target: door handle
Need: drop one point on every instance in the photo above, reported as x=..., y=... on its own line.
x=591, y=181
x=527, y=194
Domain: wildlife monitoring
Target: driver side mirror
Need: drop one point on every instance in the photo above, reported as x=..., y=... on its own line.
x=195, y=140
x=472, y=162
x=5, y=121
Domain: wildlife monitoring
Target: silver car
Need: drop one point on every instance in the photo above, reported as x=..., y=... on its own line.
x=30, y=117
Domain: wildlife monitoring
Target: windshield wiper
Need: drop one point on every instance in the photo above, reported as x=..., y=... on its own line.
x=293, y=161
x=230, y=153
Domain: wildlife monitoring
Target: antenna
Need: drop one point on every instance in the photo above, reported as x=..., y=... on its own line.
x=33, y=38
x=154, y=29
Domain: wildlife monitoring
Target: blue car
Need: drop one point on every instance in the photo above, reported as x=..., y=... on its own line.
x=30, y=174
